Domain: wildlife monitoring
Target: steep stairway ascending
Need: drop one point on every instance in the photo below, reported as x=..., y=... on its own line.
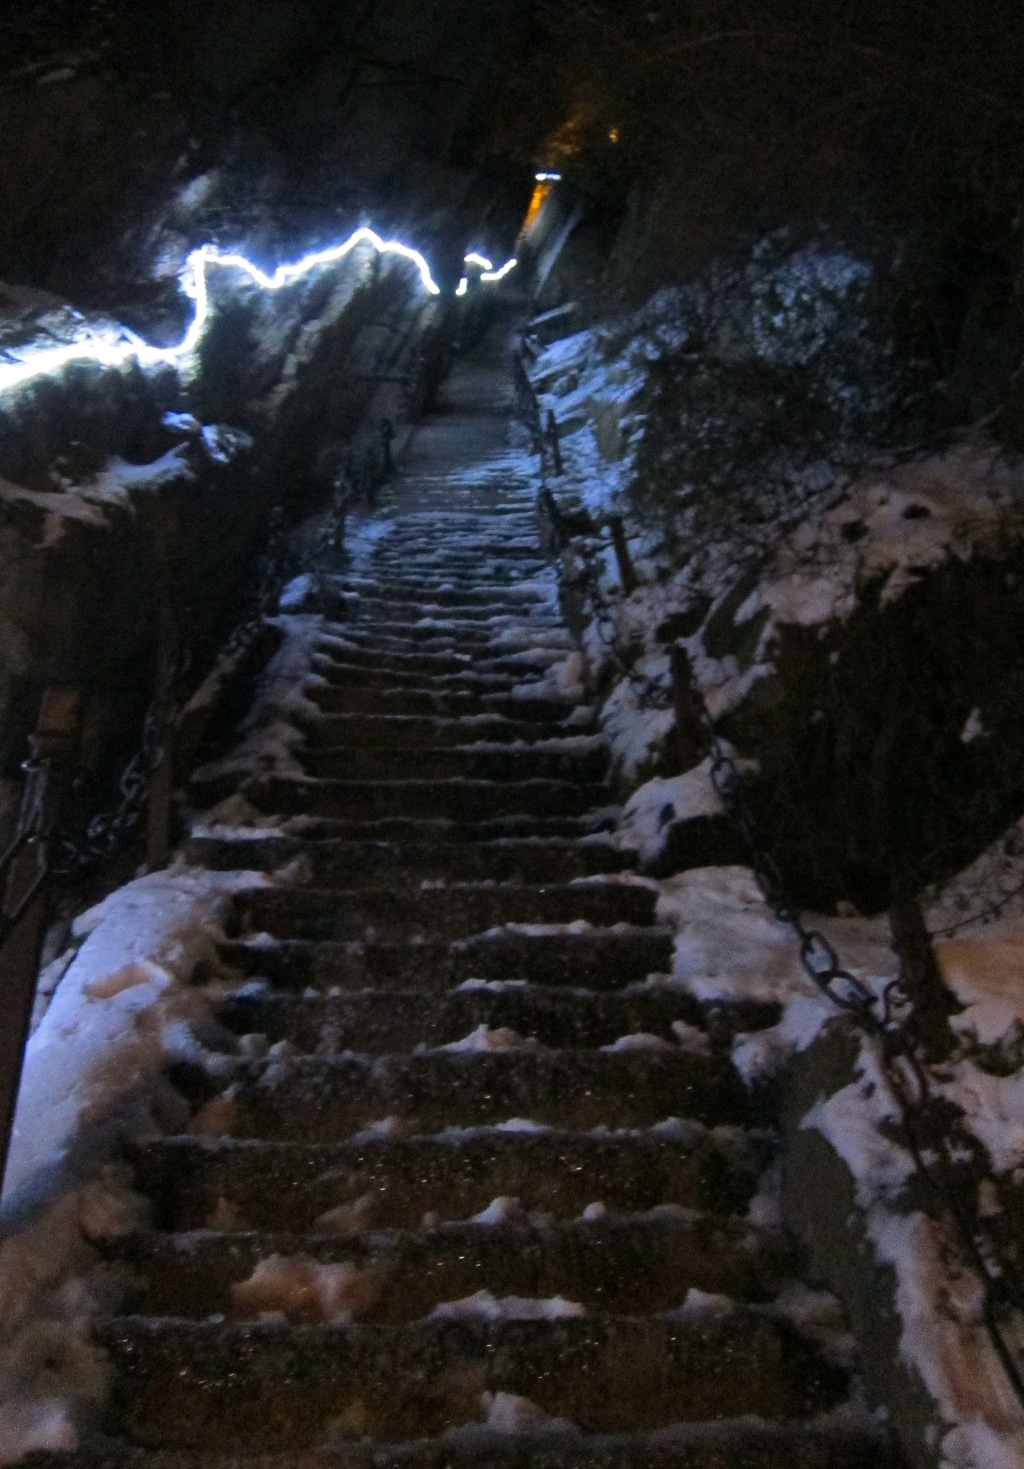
x=460, y=875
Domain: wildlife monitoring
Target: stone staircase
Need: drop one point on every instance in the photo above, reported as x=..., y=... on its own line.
x=445, y=1216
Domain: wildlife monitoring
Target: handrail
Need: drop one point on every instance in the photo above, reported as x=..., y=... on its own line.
x=545, y=434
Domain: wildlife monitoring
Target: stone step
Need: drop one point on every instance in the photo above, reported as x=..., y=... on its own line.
x=580, y=758
x=724, y=1444
x=321, y=1099
x=370, y=603
x=333, y=863
x=456, y=799
x=426, y=829
x=343, y=651
x=338, y=915
x=464, y=564
x=346, y=652
x=420, y=732
x=424, y=591
x=436, y=703
x=461, y=544
x=186, y=1385
x=367, y=676
x=595, y=959
x=501, y=635
x=391, y=1183
x=383, y=1021
x=628, y=1264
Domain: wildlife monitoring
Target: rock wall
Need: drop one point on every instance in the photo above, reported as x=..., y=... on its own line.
x=121, y=490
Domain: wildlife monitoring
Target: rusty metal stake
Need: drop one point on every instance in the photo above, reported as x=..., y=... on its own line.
x=627, y=571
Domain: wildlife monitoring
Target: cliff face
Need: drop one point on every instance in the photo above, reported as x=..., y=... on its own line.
x=129, y=128
x=851, y=614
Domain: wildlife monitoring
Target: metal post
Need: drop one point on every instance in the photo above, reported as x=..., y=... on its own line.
x=627, y=571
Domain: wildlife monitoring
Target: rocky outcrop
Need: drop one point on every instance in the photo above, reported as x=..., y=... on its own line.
x=122, y=490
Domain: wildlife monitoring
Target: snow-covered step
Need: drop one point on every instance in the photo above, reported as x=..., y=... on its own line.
x=405, y=592
x=321, y=1099
x=432, y=702
x=460, y=800
x=388, y=1020
x=263, y=1386
x=391, y=1182
x=607, y=1262
x=457, y=909
x=338, y=863
x=574, y=758
x=592, y=958
x=419, y=674
x=412, y=732
x=522, y=1439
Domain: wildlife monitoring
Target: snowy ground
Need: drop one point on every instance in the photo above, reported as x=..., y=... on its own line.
x=95, y=1075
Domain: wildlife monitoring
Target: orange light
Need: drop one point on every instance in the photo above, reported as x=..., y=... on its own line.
x=613, y=135
x=540, y=193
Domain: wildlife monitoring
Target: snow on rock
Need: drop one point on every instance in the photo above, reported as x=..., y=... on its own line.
x=271, y=732
x=939, y=1301
x=653, y=808
x=984, y=970
x=562, y=680
x=730, y=947
x=93, y=1074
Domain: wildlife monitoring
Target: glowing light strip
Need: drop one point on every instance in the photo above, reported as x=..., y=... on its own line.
x=499, y=275
x=548, y=178
x=117, y=348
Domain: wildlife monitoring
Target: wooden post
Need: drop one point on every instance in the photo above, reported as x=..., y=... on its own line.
x=627, y=571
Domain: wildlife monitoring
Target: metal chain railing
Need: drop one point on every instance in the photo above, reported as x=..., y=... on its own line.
x=905, y=1043
x=906, y=1023
x=107, y=834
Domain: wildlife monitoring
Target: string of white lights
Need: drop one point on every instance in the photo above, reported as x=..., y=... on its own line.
x=115, y=348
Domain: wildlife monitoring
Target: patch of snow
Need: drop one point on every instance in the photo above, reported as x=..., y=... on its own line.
x=501, y=1211
x=655, y=806
x=640, y=1041
x=303, y=1289
x=485, y=1039
x=512, y=1415
x=507, y=1308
